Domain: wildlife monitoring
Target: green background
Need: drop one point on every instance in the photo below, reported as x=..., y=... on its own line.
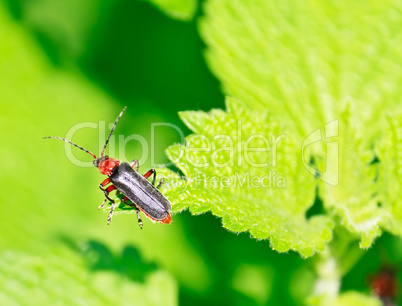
x=66, y=62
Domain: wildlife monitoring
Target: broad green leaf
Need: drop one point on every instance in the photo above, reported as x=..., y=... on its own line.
x=178, y=9
x=390, y=175
x=356, y=299
x=61, y=276
x=242, y=166
x=346, y=299
x=302, y=60
x=352, y=197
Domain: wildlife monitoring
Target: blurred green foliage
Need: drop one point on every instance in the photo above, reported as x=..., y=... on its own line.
x=66, y=62
x=179, y=9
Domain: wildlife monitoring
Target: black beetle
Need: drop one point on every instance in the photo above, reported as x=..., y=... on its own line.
x=136, y=189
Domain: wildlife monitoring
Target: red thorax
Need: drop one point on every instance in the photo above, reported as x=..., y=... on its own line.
x=107, y=165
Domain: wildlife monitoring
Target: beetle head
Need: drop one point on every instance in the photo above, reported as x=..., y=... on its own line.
x=99, y=160
x=106, y=164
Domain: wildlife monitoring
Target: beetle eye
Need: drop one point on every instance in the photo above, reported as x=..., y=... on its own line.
x=100, y=160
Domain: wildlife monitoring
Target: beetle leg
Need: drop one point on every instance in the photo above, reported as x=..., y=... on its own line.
x=107, y=191
x=127, y=201
x=134, y=164
x=149, y=173
x=111, y=212
x=104, y=182
x=160, y=184
x=103, y=204
x=137, y=210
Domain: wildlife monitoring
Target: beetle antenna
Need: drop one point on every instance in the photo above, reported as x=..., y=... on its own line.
x=111, y=131
x=72, y=143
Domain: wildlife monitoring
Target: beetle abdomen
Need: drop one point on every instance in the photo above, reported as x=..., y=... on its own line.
x=141, y=192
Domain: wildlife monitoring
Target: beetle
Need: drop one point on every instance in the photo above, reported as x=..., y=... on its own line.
x=123, y=177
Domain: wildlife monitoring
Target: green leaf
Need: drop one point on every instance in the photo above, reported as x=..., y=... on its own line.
x=390, y=175
x=178, y=9
x=304, y=62
x=353, y=198
x=356, y=299
x=346, y=299
x=58, y=274
x=301, y=60
x=242, y=167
